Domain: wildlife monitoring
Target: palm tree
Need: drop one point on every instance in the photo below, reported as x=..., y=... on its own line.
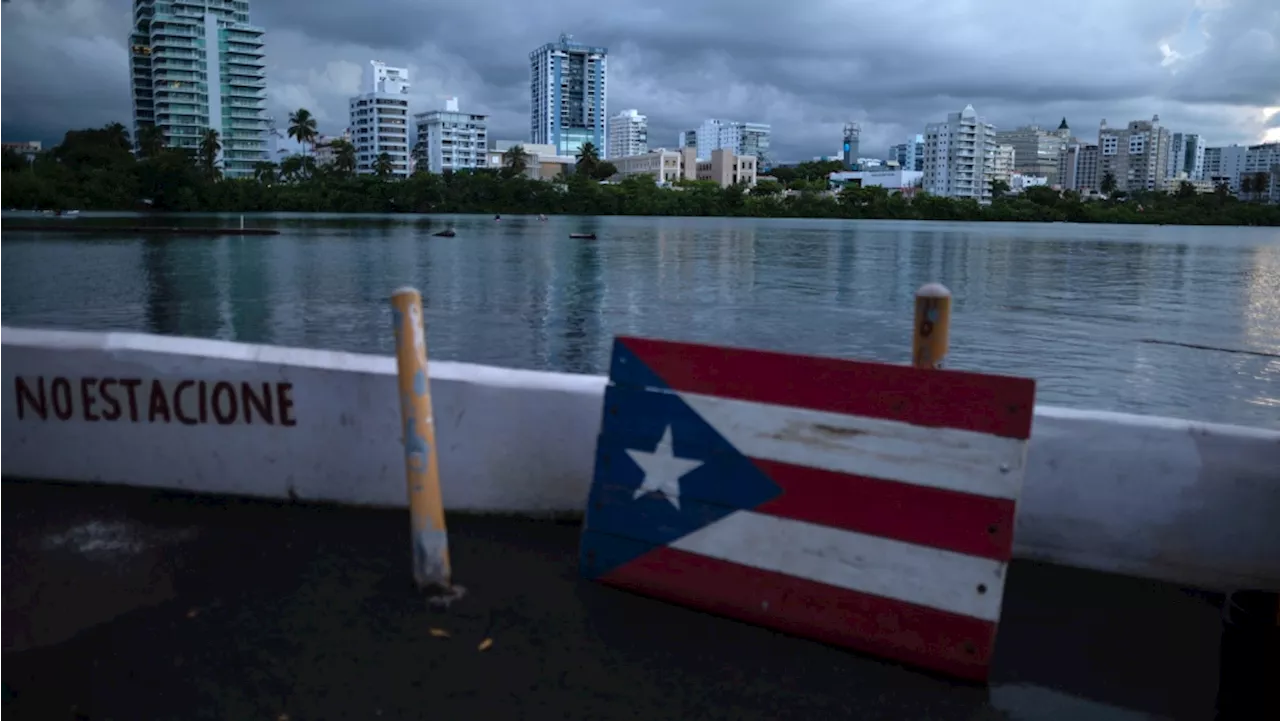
x=210, y=148
x=1246, y=186
x=588, y=159
x=515, y=161
x=344, y=157
x=1262, y=184
x=1108, y=185
x=117, y=135
x=302, y=127
x=150, y=141
x=383, y=167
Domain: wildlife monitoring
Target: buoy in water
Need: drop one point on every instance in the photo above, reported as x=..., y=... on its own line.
x=583, y=236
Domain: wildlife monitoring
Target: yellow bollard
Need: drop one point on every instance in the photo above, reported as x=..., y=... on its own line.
x=422, y=475
x=933, y=326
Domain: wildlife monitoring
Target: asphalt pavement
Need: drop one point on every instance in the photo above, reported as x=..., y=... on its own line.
x=137, y=604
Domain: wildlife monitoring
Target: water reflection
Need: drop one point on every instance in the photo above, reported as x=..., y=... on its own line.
x=1066, y=304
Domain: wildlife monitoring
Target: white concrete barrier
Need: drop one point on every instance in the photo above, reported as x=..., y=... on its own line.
x=1187, y=502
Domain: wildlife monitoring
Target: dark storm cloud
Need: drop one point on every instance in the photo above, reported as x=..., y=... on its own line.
x=1208, y=66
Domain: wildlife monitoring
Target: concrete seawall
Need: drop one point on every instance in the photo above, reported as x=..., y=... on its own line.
x=1170, y=499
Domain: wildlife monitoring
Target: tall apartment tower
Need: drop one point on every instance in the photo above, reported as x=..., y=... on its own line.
x=380, y=119
x=741, y=138
x=959, y=156
x=628, y=133
x=567, y=95
x=849, y=150
x=910, y=155
x=451, y=140
x=1137, y=155
x=1186, y=155
x=196, y=65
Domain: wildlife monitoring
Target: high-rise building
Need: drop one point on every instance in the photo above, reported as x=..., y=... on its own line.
x=1002, y=165
x=910, y=155
x=567, y=95
x=1036, y=151
x=849, y=149
x=198, y=65
x=741, y=138
x=1186, y=155
x=380, y=119
x=689, y=139
x=451, y=140
x=628, y=134
x=1137, y=155
x=1262, y=166
x=1078, y=168
x=959, y=156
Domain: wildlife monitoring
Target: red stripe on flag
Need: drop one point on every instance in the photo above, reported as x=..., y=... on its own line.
x=925, y=637
x=978, y=402
x=950, y=520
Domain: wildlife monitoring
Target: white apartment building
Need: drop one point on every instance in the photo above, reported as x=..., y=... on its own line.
x=628, y=134
x=196, y=66
x=567, y=94
x=738, y=137
x=1078, y=168
x=1019, y=182
x=1186, y=156
x=1224, y=165
x=1137, y=155
x=1264, y=158
x=1002, y=164
x=380, y=119
x=451, y=140
x=959, y=156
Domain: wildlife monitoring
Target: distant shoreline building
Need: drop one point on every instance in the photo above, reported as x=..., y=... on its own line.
x=451, y=140
x=380, y=119
x=739, y=137
x=1137, y=155
x=959, y=156
x=1037, y=151
x=196, y=66
x=567, y=95
x=628, y=134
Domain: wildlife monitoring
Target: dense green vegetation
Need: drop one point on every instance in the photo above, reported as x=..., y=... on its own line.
x=96, y=169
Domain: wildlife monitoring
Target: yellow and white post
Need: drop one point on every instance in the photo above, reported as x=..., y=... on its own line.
x=931, y=336
x=431, y=569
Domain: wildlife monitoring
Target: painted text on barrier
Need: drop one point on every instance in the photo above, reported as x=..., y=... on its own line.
x=139, y=400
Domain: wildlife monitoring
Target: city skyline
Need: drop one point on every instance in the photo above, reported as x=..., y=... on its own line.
x=1203, y=67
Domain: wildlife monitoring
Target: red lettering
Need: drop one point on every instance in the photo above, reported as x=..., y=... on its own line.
x=112, y=412
x=262, y=403
x=183, y=418
x=60, y=389
x=87, y=400
x=159, y=405
x=284, y=401
x=204, y=402
x=38, y=401
x=224, y=403
x=131, y=384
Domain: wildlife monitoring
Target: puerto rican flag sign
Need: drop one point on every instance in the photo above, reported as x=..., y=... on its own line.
x=866, y=505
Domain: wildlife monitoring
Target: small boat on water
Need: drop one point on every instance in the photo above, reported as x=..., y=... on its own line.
x=497, y=217
x=583, y=236
x=541, y=216
x=61, y=213
x=446, y=233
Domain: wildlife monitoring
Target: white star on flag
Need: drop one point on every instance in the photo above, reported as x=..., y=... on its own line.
x=662, y=470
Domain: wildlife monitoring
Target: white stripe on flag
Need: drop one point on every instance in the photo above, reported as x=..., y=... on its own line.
x=946, y=458
x=879, y=566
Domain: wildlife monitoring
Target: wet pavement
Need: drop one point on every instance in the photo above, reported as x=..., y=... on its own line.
x=135, y=604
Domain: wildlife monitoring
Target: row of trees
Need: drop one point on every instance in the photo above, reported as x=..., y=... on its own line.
x=98, y=169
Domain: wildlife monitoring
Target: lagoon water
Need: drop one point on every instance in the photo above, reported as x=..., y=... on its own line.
x=1074, y=306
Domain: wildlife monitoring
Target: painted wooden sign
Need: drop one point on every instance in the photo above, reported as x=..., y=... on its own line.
x=862, y=504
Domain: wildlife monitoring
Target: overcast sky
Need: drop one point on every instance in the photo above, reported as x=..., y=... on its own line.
x=806, y=66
